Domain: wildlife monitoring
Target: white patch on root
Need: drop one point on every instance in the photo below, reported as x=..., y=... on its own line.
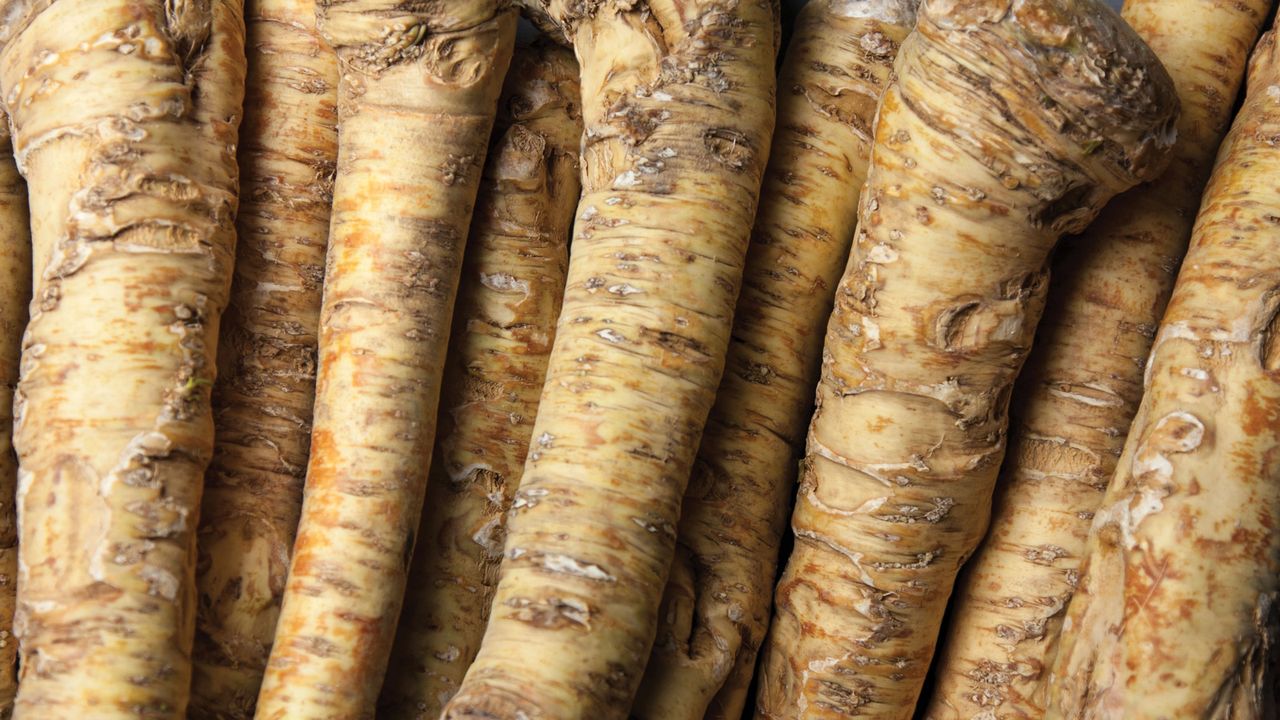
x=1194, y=373
x=504, y=283
x=571, y=566
x=490, y=537
x=882, y=254
x=623, y=289
x=271, y=287
x=1176, y=432
x=897, y=12
x=25, y=479
x=871, y=331
x=160, y=582
x=627, y=179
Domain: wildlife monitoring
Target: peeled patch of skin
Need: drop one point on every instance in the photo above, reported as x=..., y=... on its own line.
x=512, y=286
x=133, y=195
x=1080, y=389
x=1009, y=125
x=15, y=294
x=267, y=354
x=717, y=602
x=416, y=101
x=1176, y=609
x=678, y=112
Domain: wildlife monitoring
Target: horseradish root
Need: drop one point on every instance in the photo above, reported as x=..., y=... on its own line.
x=267, y=354
x=512, y=284
x=1008, y=125
x=1082, y=383
x=717, y=602
x=416, y=100
x=678, y=112
x=124, y=115
x=1176, y=609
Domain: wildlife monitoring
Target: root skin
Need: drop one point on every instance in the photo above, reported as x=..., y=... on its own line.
x=1008, y=125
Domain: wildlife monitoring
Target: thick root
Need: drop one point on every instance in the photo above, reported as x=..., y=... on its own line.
x=417, y=98
x=717, y=603
x=1080, y=389
x=1007, y=127
x=133, y=195
x=678, y=111
x=512, y=285
x=1177, y=605
x=267, y=354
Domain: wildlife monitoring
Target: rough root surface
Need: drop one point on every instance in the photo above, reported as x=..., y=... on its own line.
x=1177, y=607
x=1009, y=124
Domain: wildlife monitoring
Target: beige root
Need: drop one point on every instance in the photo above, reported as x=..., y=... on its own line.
x=717, y=601
x=266, y=381
x=417, y=98
x=1176, y=609
x=124, y=114
x=512, y=284
x=678, y=110
x=1007, y=126
x=1080, y=389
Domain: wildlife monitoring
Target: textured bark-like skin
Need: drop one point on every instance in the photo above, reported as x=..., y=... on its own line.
x=1082, y=383
x=1176, y=610
x=1008, y=125
x=678, y=112
x=716, y=606
x=512, y=287
x=417, y=97
x=125, y=114
x=15, y=294
x=267, y=353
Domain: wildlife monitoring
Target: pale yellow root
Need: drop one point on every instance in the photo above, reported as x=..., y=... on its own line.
x=15, y=294
x=717, y=602
x=678, y=110
x=417, y=97
x=512, y=284
x=1007, y=126
x=1080, y=389
x=1177, y=605
x=267, y=353
x=125, y=115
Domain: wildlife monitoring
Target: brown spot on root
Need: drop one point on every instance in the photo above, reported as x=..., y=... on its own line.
x=728, y=147
x=1260, y=415
x=1270, y=336
x=552, y=612
x=846, y=699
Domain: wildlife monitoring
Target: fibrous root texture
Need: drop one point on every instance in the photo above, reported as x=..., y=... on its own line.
x=417, y=94
x=1009, y=124
x=1176, y=609
x=512, y=284
x=718, y=598
x=267, y=353
x=1082, y=383
x=678, y=112
x=133, y=194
